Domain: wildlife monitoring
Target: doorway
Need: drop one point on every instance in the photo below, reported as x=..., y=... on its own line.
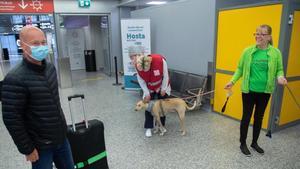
x=79, y=33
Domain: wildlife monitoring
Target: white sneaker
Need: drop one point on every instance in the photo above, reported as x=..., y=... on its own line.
x=148, y=133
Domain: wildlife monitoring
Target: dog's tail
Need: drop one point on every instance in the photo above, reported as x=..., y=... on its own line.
x=193, y=107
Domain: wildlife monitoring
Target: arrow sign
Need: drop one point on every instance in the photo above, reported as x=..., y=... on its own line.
x=23, y=5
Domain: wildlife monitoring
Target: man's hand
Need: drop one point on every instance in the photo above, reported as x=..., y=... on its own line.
x=33, y=157
x=147, y=98
x=281, y=80
x=162, y=92
x=228, y=86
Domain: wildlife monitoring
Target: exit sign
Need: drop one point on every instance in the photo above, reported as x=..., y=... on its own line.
x=84, y=3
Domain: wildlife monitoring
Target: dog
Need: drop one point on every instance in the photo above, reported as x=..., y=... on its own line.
x=159, y=108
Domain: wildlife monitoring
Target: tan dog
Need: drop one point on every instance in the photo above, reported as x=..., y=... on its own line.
x=161, y=107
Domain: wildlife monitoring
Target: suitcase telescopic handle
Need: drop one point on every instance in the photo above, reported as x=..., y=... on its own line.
x=83, y=108
x=75, y=96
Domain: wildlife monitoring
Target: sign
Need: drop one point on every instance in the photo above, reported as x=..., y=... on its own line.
x=75, y=42
x=84, y=3
x=135, y=33
x=26, y=6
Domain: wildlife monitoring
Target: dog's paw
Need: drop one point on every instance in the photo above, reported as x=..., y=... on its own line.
x=183, y=133
x=155, y=130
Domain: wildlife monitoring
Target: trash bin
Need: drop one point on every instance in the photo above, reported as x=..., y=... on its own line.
x=90, y=60
x=5, y=54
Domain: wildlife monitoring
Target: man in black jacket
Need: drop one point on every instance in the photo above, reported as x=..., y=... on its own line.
x=31, y=107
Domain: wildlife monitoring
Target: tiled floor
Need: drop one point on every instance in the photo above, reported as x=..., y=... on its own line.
x=211, y=141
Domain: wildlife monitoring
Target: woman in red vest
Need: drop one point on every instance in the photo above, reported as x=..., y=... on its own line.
x=153, y=77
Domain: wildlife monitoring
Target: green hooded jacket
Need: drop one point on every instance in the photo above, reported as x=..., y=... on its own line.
x=275, y=68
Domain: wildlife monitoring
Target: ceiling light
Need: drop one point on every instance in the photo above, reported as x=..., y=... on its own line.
x=156, y=2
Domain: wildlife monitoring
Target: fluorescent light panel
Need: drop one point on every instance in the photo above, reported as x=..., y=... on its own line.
x=156, y=2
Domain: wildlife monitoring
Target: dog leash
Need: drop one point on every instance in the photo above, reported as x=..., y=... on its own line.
x=161, y=107
x=269, y=133
x=229, y=93
x=202, y=94
x=293, y=96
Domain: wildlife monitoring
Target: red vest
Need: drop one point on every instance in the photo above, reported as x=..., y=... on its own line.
x=154, y=76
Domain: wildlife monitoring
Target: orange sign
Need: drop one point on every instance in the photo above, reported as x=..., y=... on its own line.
x=26, y=6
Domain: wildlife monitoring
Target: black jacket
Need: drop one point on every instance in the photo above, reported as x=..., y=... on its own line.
x=31, y=107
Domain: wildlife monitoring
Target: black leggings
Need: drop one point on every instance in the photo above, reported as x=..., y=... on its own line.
x=260, y=101
x=148, y=117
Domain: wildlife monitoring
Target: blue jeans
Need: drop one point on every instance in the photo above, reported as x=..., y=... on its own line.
x=61, y=155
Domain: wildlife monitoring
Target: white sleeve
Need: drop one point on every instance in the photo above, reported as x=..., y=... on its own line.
x=165, y=81
x=143, y=86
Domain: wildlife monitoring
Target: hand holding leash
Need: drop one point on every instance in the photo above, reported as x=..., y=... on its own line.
x=147, y=99
x=281, y=80
x=228, y=86
x=162, y=92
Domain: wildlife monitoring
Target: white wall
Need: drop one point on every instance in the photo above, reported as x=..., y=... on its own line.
x=183, y=32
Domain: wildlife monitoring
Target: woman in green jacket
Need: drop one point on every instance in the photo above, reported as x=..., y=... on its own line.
x=260, y=65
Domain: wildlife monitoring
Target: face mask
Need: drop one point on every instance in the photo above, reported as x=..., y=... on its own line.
x=39, y=52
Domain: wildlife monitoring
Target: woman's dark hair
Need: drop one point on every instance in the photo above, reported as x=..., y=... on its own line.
x=269, y=29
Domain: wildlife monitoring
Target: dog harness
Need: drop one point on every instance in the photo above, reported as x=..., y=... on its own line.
x=151, y=104
x=150, y=107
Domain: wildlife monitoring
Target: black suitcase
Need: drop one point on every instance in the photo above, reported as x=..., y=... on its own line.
x=87, y=141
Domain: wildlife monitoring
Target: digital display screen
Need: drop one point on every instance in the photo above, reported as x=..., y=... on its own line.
x=31, y=19
x=17, y=19
x=44, y=18
x=40, y=21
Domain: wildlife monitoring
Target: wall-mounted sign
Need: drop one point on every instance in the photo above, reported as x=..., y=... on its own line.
x=26, y=6
x=84, y=3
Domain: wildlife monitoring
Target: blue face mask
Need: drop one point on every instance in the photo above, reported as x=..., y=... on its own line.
x=38, y=53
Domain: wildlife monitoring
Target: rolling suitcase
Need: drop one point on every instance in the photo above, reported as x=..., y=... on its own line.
x=87, y=141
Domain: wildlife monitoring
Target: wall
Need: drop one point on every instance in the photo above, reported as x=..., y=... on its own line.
x=183, y=32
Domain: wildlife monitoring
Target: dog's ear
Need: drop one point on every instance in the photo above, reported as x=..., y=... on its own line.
x=145, y=102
